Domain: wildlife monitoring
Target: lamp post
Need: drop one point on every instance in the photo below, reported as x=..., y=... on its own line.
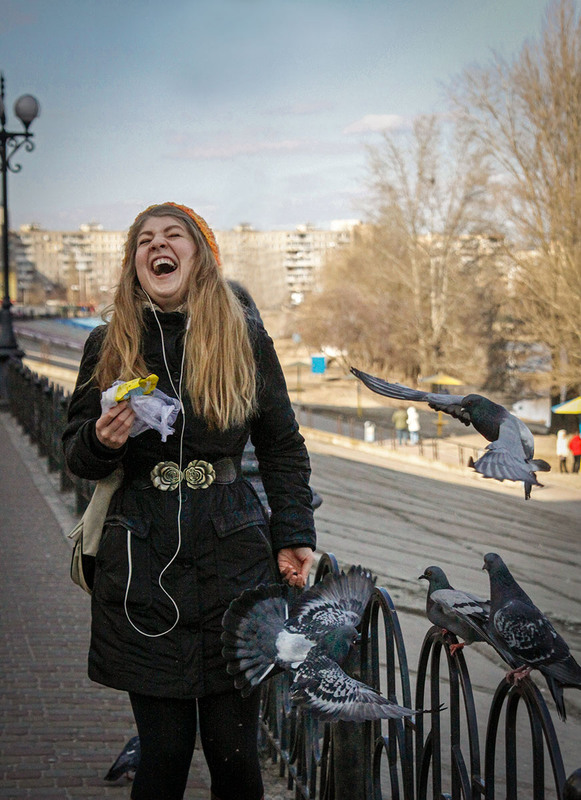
x=26, y=109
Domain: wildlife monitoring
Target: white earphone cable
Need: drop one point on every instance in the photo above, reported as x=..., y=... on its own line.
x=178, y=393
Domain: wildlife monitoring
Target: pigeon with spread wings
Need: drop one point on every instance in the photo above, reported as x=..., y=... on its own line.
x=510, y=454
x=312, y=639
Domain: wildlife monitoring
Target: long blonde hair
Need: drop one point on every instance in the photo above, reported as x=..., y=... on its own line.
x=219, y=366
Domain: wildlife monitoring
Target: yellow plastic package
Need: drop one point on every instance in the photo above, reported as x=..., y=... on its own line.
x=135, y=388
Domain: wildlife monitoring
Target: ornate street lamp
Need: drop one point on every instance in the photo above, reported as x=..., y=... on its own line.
x=26, y=109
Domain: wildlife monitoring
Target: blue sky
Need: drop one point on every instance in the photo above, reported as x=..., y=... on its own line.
x=248, y=110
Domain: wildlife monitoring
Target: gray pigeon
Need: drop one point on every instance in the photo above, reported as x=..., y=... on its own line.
x=126, y=762
x=527, y=635
x=509, y=456
x=262, y=637
x=572, y=787
x=460, y=613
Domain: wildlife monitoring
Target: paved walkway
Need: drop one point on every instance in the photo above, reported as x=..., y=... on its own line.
x=60, y=732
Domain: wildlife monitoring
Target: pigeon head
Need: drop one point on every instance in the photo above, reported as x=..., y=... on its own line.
x=494, y=564
x=503, y=586
x=473, y=401
x=485, y=415
x=337, y=643
x=436, y=578
x=480, y=408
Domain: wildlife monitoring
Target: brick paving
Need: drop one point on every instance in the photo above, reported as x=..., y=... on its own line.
x=59, y=732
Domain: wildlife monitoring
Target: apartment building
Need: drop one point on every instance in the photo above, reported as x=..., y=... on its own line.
x=255, y=259
x=82, y=266
x=305, y=250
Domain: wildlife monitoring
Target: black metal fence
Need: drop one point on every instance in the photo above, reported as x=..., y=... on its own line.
x=40, y=407
x=435, y=755
x=434, y=448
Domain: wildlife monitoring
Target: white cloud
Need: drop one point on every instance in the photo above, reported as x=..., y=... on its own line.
x=376, y=122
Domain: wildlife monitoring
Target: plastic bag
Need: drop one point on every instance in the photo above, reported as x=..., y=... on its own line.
x=154, y=410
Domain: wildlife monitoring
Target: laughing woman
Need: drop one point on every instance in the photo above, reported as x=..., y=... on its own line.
x=185, y=533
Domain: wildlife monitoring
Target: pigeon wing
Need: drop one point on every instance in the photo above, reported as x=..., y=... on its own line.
x=566, y=670
x=527, y=633
x=127, y=760
x=461, y=613
x=396, y=390
x=330, y=694
x=449, y=403
x=334, y=601
x=504, y=459
x=462, y=603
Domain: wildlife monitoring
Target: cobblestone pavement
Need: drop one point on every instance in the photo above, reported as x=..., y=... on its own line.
x=60, y=732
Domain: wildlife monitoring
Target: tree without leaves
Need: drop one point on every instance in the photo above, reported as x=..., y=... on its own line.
x=527, y=115
x=417, y=293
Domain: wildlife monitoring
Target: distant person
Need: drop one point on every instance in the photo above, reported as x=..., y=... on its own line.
x=413, y=423
x=562, y=450
x=575, y=448
x=400, y=423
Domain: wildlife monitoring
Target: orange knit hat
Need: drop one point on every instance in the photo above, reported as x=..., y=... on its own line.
x=205, y=229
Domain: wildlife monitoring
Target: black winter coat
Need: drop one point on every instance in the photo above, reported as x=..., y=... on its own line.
x=161, y=588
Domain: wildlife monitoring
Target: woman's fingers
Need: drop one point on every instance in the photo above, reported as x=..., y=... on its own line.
x=113, y=427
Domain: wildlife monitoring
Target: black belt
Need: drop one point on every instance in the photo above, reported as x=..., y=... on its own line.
x=167, y=476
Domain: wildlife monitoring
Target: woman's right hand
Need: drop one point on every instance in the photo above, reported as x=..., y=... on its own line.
x=114, y=425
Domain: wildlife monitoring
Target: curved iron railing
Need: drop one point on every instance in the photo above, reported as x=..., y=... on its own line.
x=435, y=755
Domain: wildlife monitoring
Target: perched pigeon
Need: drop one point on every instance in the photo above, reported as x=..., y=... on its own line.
x=509, y=456
x=127, y=761
x=460, y=613
x=572, y=787
x=260, y=637
x=527, y=635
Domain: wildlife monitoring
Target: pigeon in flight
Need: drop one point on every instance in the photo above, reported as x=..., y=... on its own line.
x=262, y=636
x=509, y=456
x=126, y=762
x=527, y=635
x=460, y=613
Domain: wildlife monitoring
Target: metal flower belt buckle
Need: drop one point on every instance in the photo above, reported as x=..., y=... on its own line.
x=167, y=476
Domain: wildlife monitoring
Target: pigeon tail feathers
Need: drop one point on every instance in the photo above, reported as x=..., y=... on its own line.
x=540, y=464
x=567, y=671
x=497, y=462
x=561, y=675
x=251, y=625
x=556, y=690
x=329, y=694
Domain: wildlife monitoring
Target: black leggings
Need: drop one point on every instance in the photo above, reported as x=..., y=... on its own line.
x=167, y=733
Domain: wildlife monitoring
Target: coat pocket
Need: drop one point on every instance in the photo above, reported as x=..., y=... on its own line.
x=244, y=555
x=124, y=560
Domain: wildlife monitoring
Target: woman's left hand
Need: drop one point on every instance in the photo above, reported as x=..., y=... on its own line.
x=295, y=564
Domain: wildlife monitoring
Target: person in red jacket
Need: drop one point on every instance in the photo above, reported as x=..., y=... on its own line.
x=575, y=448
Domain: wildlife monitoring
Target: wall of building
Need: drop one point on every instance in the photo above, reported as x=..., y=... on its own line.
x=277, y=267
